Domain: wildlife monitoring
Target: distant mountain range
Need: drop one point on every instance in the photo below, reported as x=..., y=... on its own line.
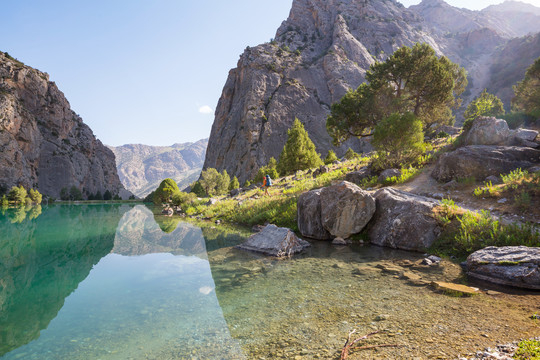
x=142, y=167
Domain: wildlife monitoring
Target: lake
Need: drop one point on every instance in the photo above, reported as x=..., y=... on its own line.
x=108, y=281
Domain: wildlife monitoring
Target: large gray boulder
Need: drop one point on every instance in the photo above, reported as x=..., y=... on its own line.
x=336, y=211
x=403, y=221
x=309, y=215
x=487, y=131
x=275, y=241
x=517, y=266
x=346, y=209
x=481, y=161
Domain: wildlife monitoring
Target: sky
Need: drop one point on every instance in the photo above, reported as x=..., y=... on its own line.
x=145, y=71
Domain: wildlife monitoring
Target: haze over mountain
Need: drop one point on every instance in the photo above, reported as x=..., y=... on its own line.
x=323, y=50
x=142, y=167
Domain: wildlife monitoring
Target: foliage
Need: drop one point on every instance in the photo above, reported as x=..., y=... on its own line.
x=164, y=191
x=270, y=169
x=17, y=195
x=517, y=119
x=330, y=157
x=197, y=189
x=485, y=104
x=528, y=350
x=234, y=184
x=35, y=196
x=213, y=182
x=4, y=202
x=247, y=183
x=107, y=195
x=411, y=80
x=471, y=231
x=74, y=193
x=399, y=140
x=150, y=197
x=180, y=198
x=299, y=151
x=350, y=154
x=527, y=92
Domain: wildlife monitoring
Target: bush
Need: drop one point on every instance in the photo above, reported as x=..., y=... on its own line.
x=197, y=189
x=399, y=140
x=350, y=154
x=180, y=198
x=17, y=195
x=330, y=157
x=234, y=184
x=485, y=104
x=35, y=196
x=270, y=169
x=528, y=350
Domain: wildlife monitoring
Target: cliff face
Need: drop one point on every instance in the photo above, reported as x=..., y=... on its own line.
x=319, y=53
x=142, y=167
x=43, y=143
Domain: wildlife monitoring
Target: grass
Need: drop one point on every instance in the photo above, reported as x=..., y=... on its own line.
x=528, y=350
x=465, y=232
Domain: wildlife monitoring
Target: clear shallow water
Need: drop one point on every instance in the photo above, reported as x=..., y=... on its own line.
x=109, y=282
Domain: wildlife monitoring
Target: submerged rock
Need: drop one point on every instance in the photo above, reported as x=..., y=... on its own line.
x=454, y=289
x=517, y=266
x=275, y=241
x=403, y=221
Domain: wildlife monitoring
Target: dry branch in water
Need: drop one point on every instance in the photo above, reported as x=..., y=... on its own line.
x=350, y=345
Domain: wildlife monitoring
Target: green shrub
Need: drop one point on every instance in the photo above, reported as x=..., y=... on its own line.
x=350, y=154
x=330, y=157
x=528, y=350
x=234, y=184
x=485, y=104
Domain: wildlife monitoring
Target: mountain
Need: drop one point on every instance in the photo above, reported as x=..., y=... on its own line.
x=142, y=167
x=43, y=143
x=323, y=50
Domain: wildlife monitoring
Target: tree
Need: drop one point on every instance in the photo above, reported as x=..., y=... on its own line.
x=17, y=195
x=197, y=189
x=150, y=197
x=351, y=154
x=75, y=193
x=164, y=191
x=330, y=157
x=411, y=80
x=35, y=196
x=399, y=140
x=299, y=151
x=235, y=184
x=107, y=195
x=223, y=184
x=98, y=196
x=527, y=91
x=180, y=198
x=485, y=104
x=64, y=194
x=4, y=202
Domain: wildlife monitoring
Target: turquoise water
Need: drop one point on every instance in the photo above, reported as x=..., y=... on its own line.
x=117, y=282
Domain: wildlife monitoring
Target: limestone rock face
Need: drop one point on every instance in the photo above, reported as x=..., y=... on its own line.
x=43, y=143
x=345, y=209
x=517, y=266
x=403, y=221
x=481, y=161
x=142, y=167
x=309, y=216
x=275, y=241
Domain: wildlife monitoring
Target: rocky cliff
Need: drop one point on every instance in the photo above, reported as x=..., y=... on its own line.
x=320, y=52
x=43, y=143
x=142, y=167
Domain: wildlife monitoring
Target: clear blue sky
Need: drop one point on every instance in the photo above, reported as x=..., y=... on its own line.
x=147, y=71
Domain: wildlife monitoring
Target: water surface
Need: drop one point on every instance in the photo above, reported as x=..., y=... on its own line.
x=117, y=282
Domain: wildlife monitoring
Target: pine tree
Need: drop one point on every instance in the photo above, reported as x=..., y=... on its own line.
x=235, y=184
x=330, y=158
x=299, y=151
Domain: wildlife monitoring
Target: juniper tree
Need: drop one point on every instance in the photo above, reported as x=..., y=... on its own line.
x=299, y=151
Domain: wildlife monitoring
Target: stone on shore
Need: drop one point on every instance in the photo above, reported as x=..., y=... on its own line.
x=403, y=221
x=275, y=241
x=346, y=209
x=309, y=216
x=517, y=266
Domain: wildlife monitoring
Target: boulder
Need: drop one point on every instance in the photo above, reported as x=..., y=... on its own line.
x=321, y=170
x=388, y=173
x=309, y=215
x=345, y=209
x=356, y=177
x=523, y=137
x=487, y=131
x=339, y=241
x=481, y=161
x=403, y=220
x=274, y=241
x=517, y=266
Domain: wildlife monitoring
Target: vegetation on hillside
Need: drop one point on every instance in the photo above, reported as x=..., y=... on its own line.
x=19, y=196
x=299, y=151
